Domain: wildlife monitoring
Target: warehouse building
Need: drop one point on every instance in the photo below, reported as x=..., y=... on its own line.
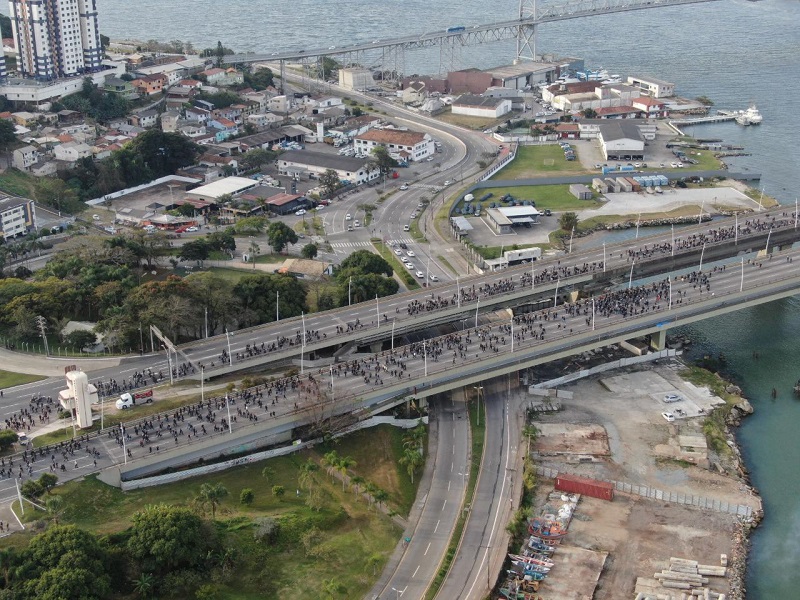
x=481, y=106
x=309, y=164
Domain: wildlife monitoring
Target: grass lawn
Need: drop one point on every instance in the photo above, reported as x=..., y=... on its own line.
x=539, y=161
x=354, y=540
x=468, y=121
x=10, y=379
x=554, y=197
x=231, y=274
x=18, y=183
x=492, y=252
x=271, y=258
x=399, y=268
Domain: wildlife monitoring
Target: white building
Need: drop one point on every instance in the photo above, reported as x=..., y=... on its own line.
x=17, y=216
x=356, y=78
x=408, y=145
x=657, y=88
x=25, y=157
x=56, y=38
x=621, y=140
x=313, y=164
x=480, y=106
x=71, y=151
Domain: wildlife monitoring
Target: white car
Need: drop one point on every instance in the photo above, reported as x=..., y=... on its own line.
x=414, y=215
x=404, y=186
x=95, y=217
x=434, y=277
x=429, y=159
x=347, y=217
x=406, y=228
x=193, y=229
x=356, y=223
x=300, y=212
x=446, y=183
x=674, y=165
x=680, y=165
x=410, y=253
x=670, y=398
x=420, y=205
x=398, y=252
x=404, y=260
x=420, y=274
x=668, y=416
x=319, y=207
x=410, y=266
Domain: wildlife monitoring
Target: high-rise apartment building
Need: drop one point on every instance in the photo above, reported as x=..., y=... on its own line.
x=56, y=38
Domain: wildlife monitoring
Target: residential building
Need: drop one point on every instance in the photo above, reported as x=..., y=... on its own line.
x=71, y=151
x=656, y=88
x=356, y=78
x=115, y=85
x=56, y=38
x=263, y=119
x=223, y=77
x=480, y=106
x=25, y=157
x=225, y=128
x=415, y=92
x=17, y=216
x=284, y=204
x=651, y=107
x=409, y=145
x=144, y=119
x=149, y=85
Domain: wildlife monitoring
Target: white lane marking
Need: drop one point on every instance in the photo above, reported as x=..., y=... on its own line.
x=415, y=572
x=437, y=526
x=426, y=549
x=448, y=486
x=445, y=504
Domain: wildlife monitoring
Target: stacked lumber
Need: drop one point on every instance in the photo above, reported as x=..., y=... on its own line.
x=684, y=580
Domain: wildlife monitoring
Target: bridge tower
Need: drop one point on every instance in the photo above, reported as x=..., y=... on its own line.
x=526, y=37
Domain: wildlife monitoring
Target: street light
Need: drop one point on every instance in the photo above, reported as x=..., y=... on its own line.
x=479, y=389
x=169, y=362
x=230, y=356
x=399, y=592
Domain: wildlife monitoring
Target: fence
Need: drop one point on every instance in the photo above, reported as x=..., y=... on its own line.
x=645, y=491
x=512, y=154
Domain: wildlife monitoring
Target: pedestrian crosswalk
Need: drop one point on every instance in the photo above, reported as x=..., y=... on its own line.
x=368, y=244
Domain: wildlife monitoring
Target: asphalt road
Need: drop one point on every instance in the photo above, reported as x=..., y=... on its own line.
x=473, y=571
x=442, y=501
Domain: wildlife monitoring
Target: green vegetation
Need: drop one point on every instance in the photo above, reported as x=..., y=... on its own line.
x=399, y=268
x=536, y=161
x=95, y=103
x=233, y=531
x=477, y=423
x=10, y=379
x=467, y=121
x=714, y=426
x=415, y=232
x=554, y=197
x=447, y=264
x=363, y=276
x=492, y=252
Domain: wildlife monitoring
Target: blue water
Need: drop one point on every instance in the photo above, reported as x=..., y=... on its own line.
x=734, y=52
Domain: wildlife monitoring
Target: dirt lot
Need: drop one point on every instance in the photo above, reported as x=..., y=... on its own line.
x=639, y=534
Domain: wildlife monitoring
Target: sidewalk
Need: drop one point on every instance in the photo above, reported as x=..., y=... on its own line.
x=37, y=364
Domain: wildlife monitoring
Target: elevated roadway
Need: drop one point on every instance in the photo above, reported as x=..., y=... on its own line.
x=466, y=35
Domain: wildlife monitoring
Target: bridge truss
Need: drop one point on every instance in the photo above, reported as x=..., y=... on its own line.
x=388, y=56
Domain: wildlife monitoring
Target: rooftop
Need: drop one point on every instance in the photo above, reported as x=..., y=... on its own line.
x=647, y=79
x=319, y=159
x=389, y=136
x=282, y=198
x=473, y=100
x=221, y=187
x=620, y=129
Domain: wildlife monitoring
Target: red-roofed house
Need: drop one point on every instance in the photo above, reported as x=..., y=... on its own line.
x=150, y=84
x=618, y=112
x=568, y=131
x=651, y=107
x=283, y=204
x=417, y=145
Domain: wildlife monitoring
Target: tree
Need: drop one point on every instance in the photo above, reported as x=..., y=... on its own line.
x=32, y=489
x=8, y=562
x=246, y=496
x=381, y=496
x=357, y=481
x=212, y=494
x=260, y=79
x=364, y=287
x=330, y=461
x=258, y=294
x=411, y=460
x=48, y=481
x=195, y=250
x=568, y=221
x=365, y=261
x=278, y=491
x=382, y=160
x=306, y=477
x=373, y=561
x=144, y=585
x=329, y=182
x=253, y=159
x=309, y=251
x=590, y=113
x=7, y=134
x=280, y=235
x=166, y=538
x=333, y=588
x=345, y=463
x=314, y=499
x=80, y=338
x=8, y=437
x=250, y=225
x=55, y=506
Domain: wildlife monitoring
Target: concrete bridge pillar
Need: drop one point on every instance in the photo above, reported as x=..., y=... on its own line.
x=658, y=340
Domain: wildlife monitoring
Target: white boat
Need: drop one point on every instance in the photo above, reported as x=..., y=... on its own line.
x=751, y=116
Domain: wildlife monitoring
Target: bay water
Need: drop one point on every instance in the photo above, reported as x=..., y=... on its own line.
x=733, y=51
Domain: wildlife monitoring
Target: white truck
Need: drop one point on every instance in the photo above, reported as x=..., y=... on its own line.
x=128, y=400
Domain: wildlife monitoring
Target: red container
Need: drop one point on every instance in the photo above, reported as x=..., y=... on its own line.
x=585, y=487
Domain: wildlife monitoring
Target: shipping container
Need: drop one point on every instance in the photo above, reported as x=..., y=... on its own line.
x=585, y=487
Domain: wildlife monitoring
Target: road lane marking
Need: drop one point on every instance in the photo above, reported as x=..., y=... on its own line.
x=437, y=526
x=448, y=486
x=451, y=467
x=426, y=550
x=415, y=572
x=445, y=504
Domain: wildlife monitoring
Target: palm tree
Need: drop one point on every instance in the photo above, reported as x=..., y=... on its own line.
x=55, y=506
x=411, y=460
x=333, y=587
x=306, y=477
x=331, y=461
x=268, y=473
x=144, y=585
x=529, y=432
x=357, y=481
x=373, y=560
x=370, y=488
x=211, y=494
x=381, y=496
x=346, y=462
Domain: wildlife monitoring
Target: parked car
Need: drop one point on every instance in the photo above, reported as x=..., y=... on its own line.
x=670, y=398
x=668, y=416
x=300, y=212
x=406, y=228
x=193, y=229
x=404, y=186
x=446, y=183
